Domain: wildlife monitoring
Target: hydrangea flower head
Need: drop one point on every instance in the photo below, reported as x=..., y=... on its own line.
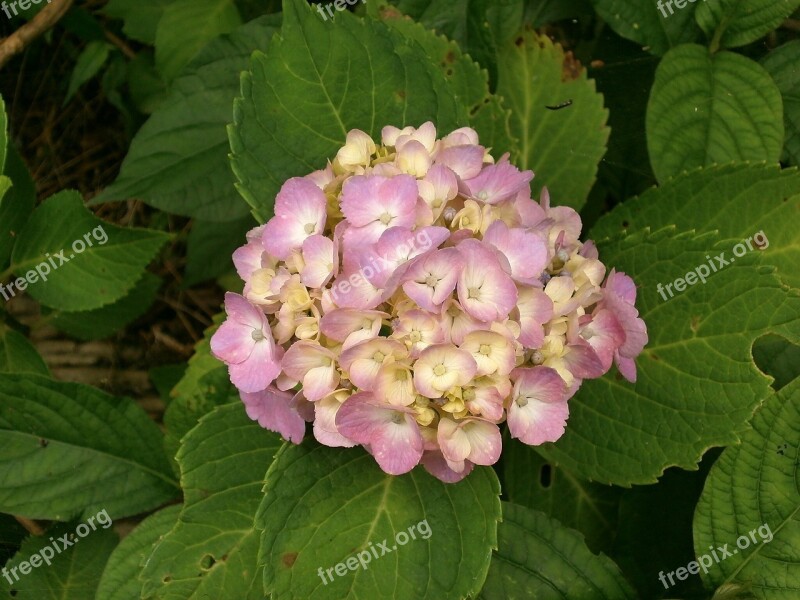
x=412, y=297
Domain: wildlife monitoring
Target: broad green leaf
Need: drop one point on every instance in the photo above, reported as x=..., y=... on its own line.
x=165, y=378
x=532, y=481
x=544, y=12
x=69, y=449
x=739, y=201
x=16, y=204
x=148, y=90
x=624, y=78
x=537, y=557
x=751, y=503
x=105, y=321
x=212, y=552
x=656, y=25
x=178, y=161
x=113, y=258
x=204, y=386
x=140, y=17
x=626, y=433
x=710, y=109
x=188, y=25
x=662, y=512
x=732, y=23
x=778, y=358
x=505, y=19
x=782, y=63
x=210, y=247
x=468, y=81
x=120, y=580
x=563, y=147
x=17, y=354
x=73, y=572
x=324, y=506
x=318, y=81
x=89, y=63
x=466, y=22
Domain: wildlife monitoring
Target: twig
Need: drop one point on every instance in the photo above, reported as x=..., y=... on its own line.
x=30, y=526
x=120, y=43
x=791, y=24
x=46, y=19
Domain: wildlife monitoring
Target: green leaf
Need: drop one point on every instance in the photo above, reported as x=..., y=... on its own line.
x=188, y=25
x=623, y=433
x=563, y=147
x=165, y=378
x=658, y=26
x=101, y=274
x=782, y=63
x=739, y=201
x=140, y=17
x=544, y=12
x=89, y=63
x=324, y=505
x=212, y=552
x=466, y=23
x=539, y=558
x=711, y=108
x=74, y=571
x=299, y=100
x=468, y=81
x=16, y=204
x=69, y=449
x=532, y=481
x=120, y=577
x=751, y=503
x=660, y=512
x=178, y=161
x=504, y=18
x=625, y=79
x=778, y=358
x=17, y=354
x=734, y=23
x=147, y=88
x=104, y=322
x=210, y=247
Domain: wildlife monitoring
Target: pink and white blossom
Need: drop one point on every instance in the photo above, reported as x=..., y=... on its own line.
x=413, y=298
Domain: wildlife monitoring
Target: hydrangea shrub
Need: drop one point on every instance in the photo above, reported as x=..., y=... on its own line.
x=435, y=236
